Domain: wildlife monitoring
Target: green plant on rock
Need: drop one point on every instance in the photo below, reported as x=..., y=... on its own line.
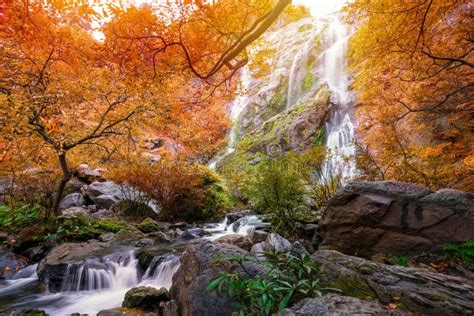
x=13, y=218
x=288, y=278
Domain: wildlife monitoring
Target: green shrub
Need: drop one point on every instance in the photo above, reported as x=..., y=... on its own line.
x=464, y=252
x=277, y=188
x=14, y=218
x=288, y=278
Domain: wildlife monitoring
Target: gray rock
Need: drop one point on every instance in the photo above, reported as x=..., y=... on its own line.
x=88, y=175
x=258, y=251
x=366, y=218
x=309, y=230
x=276, y=242
x=103, y=214
x=107, y=237
x=144, y=242
x=75, y=211
x=72, y=200
x=418, y=290
x=200, y=266
x=299, y=248
x=337, y=305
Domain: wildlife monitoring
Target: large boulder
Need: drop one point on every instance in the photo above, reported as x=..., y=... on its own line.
x=334, y=304
x=52, y=269
x=145, y=297
x=104, y=194
x=200, y=265
x=365, y=218
x=416, y=290
x=124, y=311
x=277, y=243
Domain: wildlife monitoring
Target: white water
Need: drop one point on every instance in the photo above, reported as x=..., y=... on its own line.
x=244, y=226
x=101, y=283
x=339, y=128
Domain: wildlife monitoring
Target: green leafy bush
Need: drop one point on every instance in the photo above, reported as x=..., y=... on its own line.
x=464, y=252
x=288, y=278
x=17, y=217
x=277, y=188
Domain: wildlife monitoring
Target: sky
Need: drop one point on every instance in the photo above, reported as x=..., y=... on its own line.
x=322, y=7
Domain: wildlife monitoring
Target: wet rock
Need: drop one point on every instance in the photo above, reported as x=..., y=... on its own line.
x=276, y=242
x=71, y=200
x=366, y=218
x=237, y=240
x=259, y=236
x=123, y=311
x=161, y=236
x=309, y=230
x=333, y=304
x=258, y=251
x=179, y=225
x=147, y=298
x=193, y=233
x=103, y=214
x=234, y=216
x=75, y=211
x=418, y=290
x=10, y=263
x=52, y=269
x=200, y=266
x=144, y=242
x=23, y=312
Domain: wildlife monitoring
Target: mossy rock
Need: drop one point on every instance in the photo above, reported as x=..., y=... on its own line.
x=148, y=225
x=134, y=209
x=147, y=298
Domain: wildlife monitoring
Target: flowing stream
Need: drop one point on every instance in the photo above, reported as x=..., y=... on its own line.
x=101, y=283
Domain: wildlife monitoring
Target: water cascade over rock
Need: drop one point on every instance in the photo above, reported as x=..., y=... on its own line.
x=303, y=100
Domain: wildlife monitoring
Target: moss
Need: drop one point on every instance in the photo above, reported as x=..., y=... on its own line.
x=148, y=225
x=354, y=287
x=309, y=79
x=110, y=225
x=436, y=297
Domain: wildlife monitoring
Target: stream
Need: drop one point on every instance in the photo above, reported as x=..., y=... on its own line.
x=101, y=283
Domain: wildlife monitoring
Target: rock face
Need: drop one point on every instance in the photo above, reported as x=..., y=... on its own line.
x=276, y=242
x=365, y=218
x=418, y=290
x=333, y=304
x=147, y=298
x=200, y=266
x=52, y=269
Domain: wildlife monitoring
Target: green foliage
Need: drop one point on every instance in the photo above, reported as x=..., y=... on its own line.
x=399, y=261
x=464, y=252
x=318, y=138
x=277, y=188
x=17, y=217
x=309, y=79
x=288, y=278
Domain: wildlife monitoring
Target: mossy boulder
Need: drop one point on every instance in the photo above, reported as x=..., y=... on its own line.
x=148, y=225
x=147, y=298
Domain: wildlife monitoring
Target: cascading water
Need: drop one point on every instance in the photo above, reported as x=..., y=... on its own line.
x=101, y=283
x=339, y=128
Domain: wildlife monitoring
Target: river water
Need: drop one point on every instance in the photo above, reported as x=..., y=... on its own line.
x=101, y=283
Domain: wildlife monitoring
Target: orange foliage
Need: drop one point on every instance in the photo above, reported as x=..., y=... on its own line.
x=414, y=76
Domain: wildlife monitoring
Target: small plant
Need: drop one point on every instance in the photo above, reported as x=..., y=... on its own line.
x=17, y=217
x=288, y=278
x=399, y=261
x=463, y=252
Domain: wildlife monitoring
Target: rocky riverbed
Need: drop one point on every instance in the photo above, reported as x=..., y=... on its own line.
x=160, y=268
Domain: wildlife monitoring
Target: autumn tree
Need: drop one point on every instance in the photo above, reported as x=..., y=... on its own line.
x=66, y=93
x=413, y=68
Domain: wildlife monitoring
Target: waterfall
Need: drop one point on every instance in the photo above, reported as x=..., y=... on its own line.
x=243, y=226
x=339, y=128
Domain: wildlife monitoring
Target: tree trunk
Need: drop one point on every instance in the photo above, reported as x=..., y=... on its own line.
x=62, y=184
